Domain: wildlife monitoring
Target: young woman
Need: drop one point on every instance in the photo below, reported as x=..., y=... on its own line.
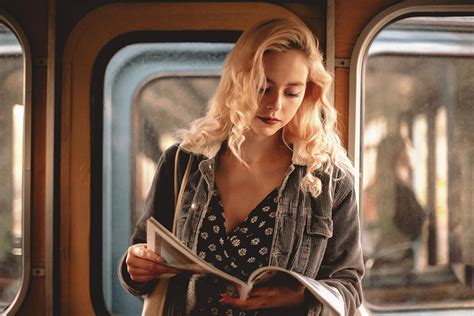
x=270, y=185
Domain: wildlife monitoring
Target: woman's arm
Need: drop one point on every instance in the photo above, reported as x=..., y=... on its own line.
x=342, y=266
x=159, y=204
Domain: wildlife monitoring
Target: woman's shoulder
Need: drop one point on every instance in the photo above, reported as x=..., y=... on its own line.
x=337, y=182
x=339, y=175
x=170, y=153
x=344, y=175
x=184, y=154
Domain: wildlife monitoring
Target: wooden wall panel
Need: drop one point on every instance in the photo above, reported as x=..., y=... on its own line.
x=314, y=15
x=341, y=101
x=351, y=18
x=32, y=17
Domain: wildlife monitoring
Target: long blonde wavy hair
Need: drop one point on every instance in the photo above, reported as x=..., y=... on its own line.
x=233, y=106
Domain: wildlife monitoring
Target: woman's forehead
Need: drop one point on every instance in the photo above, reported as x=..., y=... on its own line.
x=289, y=68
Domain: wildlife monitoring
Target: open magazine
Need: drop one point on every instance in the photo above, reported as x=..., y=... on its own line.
x=178, y=256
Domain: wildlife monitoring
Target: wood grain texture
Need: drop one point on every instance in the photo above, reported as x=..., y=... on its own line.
x=33, y=20
x=351, y=18
x=341, y=101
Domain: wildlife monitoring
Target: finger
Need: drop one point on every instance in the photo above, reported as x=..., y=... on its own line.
x=266, y=291
x=267, y=298
x=155, y=273
x=138, y=262
x=141, y=251
x=249, y=304
x=138, y=271
x=230, y=300
x=142, y=278
x=150, y=266
x=164, y=269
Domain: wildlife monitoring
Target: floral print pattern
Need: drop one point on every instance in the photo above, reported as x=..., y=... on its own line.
x=238, y=252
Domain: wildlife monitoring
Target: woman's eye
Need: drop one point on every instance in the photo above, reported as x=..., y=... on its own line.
x=265, y=90
x=293, y=94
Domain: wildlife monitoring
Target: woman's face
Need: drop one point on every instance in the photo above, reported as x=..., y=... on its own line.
x=286, y=75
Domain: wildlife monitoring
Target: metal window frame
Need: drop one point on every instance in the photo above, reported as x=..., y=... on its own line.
x=161, y=73
x=358, y=59
x=15, y=27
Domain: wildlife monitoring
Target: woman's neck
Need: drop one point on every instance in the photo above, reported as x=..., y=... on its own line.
x=257, y=150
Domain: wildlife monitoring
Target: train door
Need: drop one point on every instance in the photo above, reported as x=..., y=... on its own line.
x=126, y=87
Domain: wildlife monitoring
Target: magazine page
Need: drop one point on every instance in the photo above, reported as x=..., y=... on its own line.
x=327, y=295
x=276, y=276
x=271, y=276
x=178, y=256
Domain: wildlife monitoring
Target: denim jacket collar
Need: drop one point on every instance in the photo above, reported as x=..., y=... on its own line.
x=210, y=151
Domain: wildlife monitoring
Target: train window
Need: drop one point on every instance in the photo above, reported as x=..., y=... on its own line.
x=11, y=165
x=417, y=150
x=150, y=91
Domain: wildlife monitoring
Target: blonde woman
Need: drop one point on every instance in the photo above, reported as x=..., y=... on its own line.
x=270, y=185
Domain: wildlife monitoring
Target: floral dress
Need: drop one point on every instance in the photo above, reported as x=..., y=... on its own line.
x=238, y=252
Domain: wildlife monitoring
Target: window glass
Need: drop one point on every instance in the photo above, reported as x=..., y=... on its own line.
x=11, y=165
x=417, y=163
x=163, y=106
x=150, y=91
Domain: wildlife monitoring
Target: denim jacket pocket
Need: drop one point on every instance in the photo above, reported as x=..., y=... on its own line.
x=317, y=232
x=320, y=225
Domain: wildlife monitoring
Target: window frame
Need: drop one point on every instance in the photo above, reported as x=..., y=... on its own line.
x=15, y=27
x=396, y=12
x=97, y=131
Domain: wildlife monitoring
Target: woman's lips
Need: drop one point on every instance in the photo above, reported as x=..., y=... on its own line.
x=269, y=120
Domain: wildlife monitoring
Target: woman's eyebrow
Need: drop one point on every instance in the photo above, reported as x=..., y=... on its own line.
x=291, y=84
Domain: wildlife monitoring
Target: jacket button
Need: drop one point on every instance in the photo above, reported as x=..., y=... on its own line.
x=193, y=206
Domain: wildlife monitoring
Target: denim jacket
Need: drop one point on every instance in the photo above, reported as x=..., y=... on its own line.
x=318, y=238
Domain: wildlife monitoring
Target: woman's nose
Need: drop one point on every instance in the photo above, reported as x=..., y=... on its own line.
x=274, y=103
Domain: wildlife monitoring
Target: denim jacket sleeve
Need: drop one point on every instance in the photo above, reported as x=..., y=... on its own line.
x=342, y=265
x=159, y=204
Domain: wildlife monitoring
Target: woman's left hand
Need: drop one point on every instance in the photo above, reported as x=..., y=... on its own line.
x=267, y=297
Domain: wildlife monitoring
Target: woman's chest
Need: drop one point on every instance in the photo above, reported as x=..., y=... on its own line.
x=241, y=190
x=301, y=229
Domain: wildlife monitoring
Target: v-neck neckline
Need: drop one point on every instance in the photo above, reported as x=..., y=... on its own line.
x=249, y=215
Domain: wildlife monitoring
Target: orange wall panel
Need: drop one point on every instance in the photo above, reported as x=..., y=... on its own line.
x=341, y=102
x=351, y=18
x=33, y=20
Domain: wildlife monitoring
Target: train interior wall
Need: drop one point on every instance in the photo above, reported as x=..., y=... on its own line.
x=47, y=25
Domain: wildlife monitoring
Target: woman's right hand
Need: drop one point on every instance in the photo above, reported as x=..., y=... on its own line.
x=144, y=265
